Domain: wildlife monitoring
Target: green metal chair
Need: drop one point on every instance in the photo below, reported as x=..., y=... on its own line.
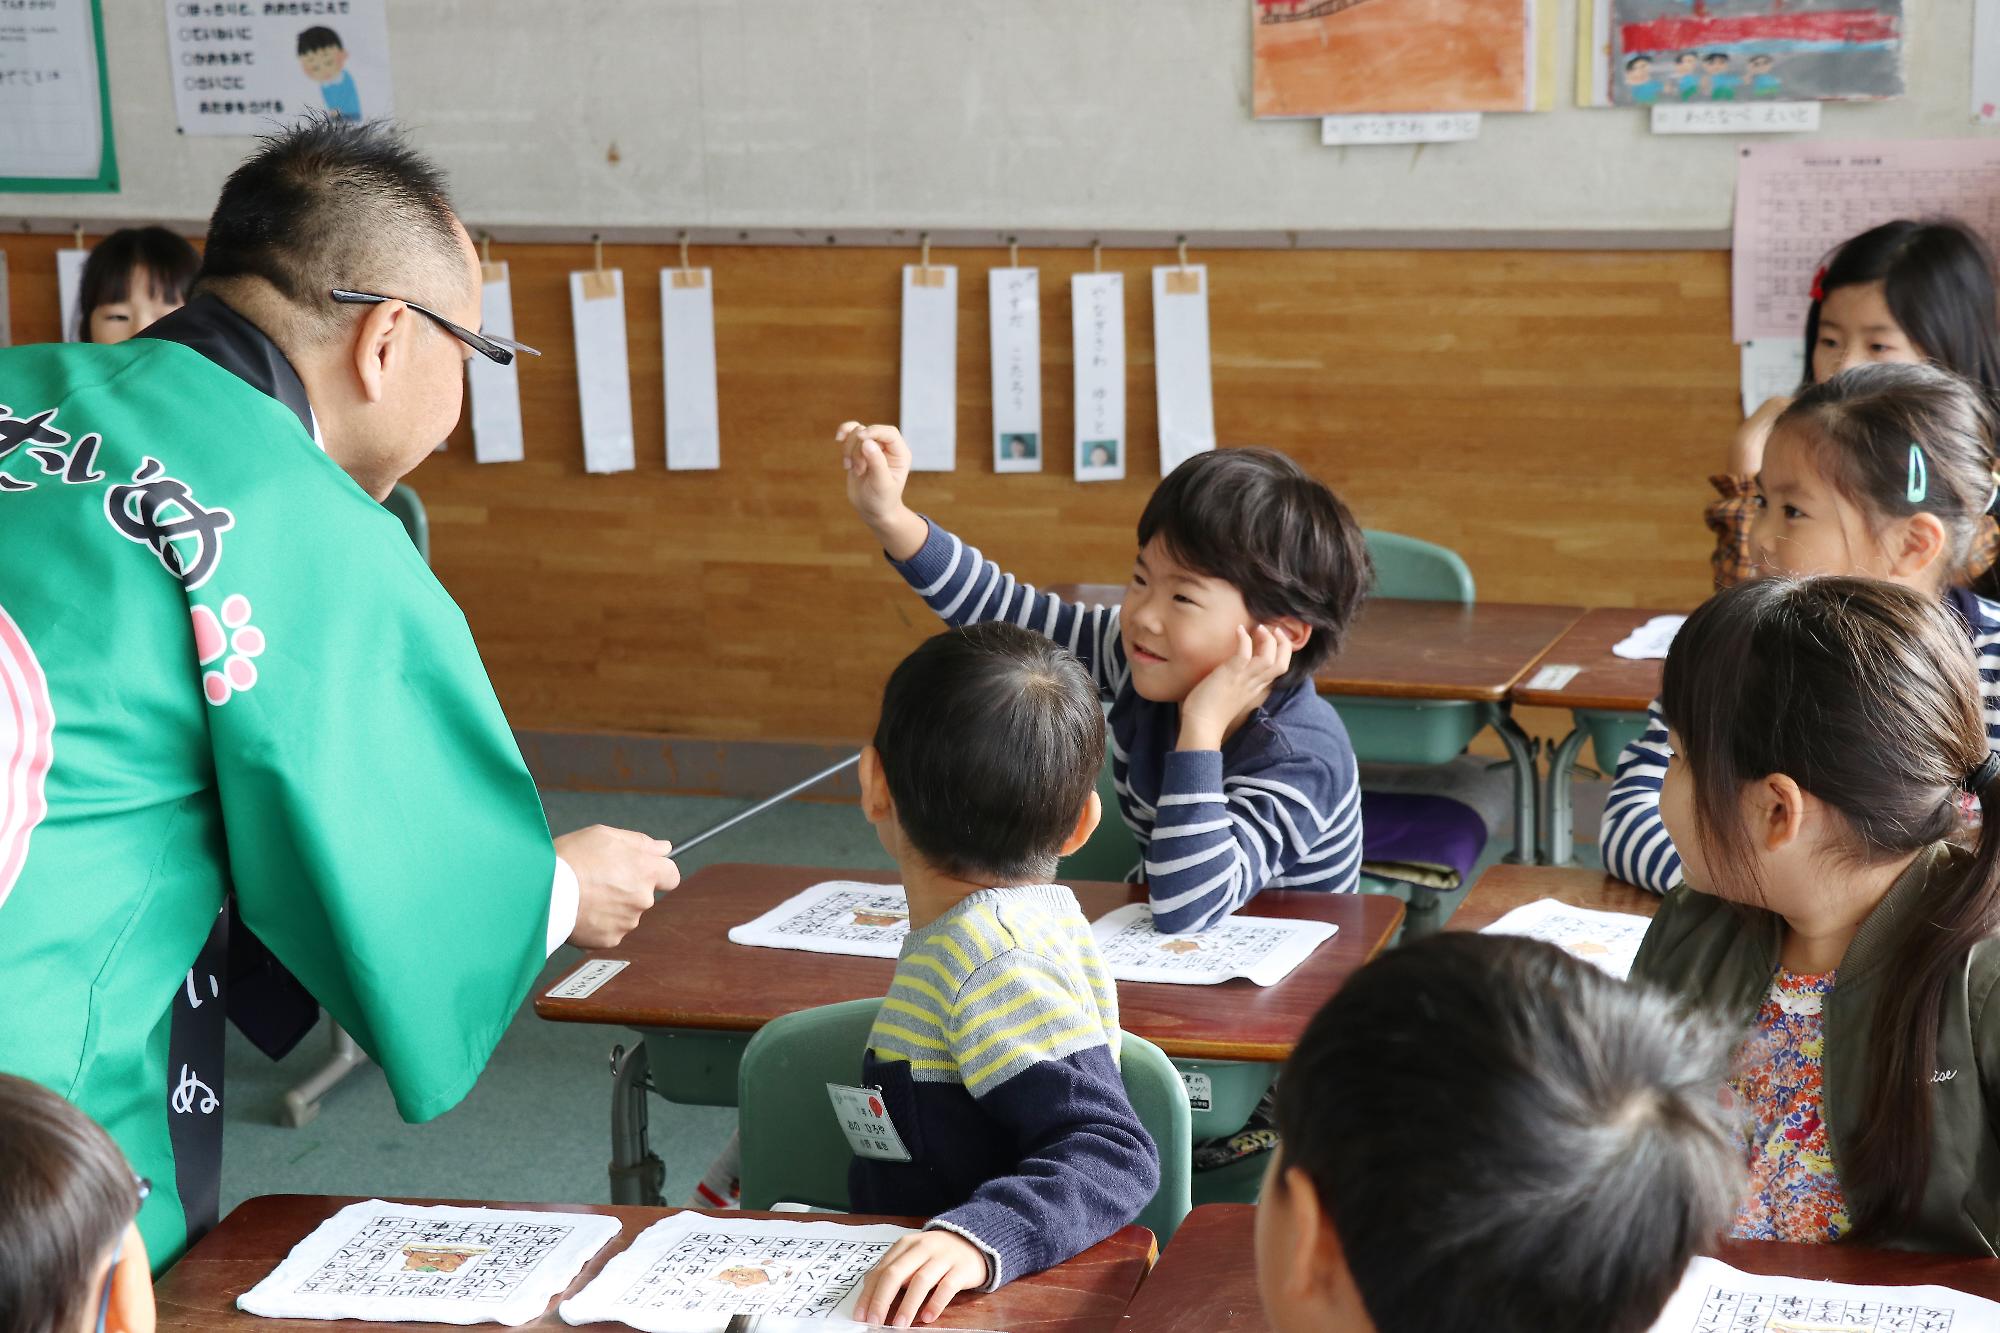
x=1399, y=731
x=793, y=1147
x=405, y=505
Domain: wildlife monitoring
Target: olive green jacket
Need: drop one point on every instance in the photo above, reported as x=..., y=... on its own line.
x=1725, y=956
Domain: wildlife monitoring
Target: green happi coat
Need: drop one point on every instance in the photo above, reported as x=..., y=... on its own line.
x=225, y=670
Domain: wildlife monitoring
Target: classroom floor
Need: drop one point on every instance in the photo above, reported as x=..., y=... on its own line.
x=536, y=1127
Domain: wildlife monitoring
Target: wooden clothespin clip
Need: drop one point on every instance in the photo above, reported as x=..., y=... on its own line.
x=488, y=270
x=79, y=236
x=926, y=275
x=685, y=276
x=1097, y=256
x=1013, y=252
x=1183, y=281
x=598, y=285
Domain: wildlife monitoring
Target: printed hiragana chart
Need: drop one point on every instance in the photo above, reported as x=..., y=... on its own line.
x=448, y=1265
x=841, y=916
x=1608, y=939
x=692, y=1272
x=1715, y=1298
x=1260, y=949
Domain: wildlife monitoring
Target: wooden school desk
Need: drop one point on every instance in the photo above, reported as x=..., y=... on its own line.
x=1503, y=888
x=1206, y=1280
x=1435, y=652
x=696, y=998
x=198, y=1294
x=1609, y=697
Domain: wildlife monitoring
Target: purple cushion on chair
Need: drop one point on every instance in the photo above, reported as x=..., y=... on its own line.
x=1431, y=841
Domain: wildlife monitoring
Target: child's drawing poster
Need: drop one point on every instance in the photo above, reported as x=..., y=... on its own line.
x=1331, y=57
x=1663, y=51
x=253, y=71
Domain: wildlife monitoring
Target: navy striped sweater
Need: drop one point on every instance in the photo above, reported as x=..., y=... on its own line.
x=1279, y=806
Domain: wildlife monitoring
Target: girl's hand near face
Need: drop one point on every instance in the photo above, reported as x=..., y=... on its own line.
x=1746, y=452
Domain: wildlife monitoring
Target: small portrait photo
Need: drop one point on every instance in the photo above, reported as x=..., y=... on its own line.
x=1019, y=447
x=1100, y=453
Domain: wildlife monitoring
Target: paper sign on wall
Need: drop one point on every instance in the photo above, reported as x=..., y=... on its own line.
x=1097, y=324
x=496, y=389
x=1014, y=299
x=1772, y=368
x=243, y=69
x=930, y=366
x=687, y=341
x=1181, y=373
x=54, y=131
x=69, y=283
x=603, y=377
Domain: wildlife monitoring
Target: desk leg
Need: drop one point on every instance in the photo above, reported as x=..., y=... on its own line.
x=1559, y=839
x=637, y=1174
x=1521, y=749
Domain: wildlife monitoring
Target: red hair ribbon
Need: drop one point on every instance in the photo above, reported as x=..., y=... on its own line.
x=1819, y=284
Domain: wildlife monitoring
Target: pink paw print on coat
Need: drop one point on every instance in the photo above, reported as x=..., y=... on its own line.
x=231, y=640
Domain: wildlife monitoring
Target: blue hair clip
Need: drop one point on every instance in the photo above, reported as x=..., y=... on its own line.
x=1920, y=475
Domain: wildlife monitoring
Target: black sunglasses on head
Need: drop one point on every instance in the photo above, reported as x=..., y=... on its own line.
x=500, y=351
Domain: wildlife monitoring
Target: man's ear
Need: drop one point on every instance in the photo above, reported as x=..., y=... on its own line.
x=1086, y=824
x=876, y=803
x=377, y=351
x=132, y=1309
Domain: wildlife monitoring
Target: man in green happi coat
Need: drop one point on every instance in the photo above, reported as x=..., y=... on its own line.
x=226, y=676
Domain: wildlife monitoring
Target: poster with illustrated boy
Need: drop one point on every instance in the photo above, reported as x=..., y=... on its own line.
x=247, y=74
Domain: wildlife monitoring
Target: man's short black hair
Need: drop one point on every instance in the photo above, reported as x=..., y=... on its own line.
x=318, y=39
x=1508, y=1139
x=1261, y=523
x=991, y=738
x=328, y=203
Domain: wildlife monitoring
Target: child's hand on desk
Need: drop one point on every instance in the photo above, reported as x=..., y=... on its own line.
x=930, y=1264
x=617, y=874
x=1214, y=708
x=876, y=461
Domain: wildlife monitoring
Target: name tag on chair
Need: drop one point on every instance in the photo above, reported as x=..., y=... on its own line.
x=864, y=1118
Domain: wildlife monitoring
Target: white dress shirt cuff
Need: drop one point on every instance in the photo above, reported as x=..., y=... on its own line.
x=564, y=896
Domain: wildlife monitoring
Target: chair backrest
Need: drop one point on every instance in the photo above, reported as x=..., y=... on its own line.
x=793, y=1148
x=1112, y=850
x=1416, y=570
x=405, y=505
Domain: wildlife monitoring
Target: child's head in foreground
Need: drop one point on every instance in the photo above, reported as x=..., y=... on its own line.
x=1482, y=1133
x=71, y=1260
x=1230, y=540
x=985, y=761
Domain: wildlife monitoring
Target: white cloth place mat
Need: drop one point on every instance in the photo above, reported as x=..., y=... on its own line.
x=1262, y=949
x=1715, y=1296
x=1608, y=939
x=1651, y=639
x=441, y=1265
x=840, y=916
x=690, y=1272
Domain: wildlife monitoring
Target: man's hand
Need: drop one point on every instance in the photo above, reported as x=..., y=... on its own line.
x=1746, y=451
x=1228, y=694
x=617, y=874
x=928, y=1269
x=876, y=461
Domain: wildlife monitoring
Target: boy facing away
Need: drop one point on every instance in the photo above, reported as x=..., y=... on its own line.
x=1231, y=771
x=995, y=1054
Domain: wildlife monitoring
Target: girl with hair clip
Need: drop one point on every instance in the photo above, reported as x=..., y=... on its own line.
x=133, y=276
x=1902, y=293
x=1824, y=731
x=1882, y=472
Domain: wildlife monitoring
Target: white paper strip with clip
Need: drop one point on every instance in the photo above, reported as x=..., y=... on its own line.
x=1097, y=323
x=687, y=340
x=603, y=375
x=1771, y=368
x=1014, y=314
x=69, y=283
x=496, y=390
x=929, y=418
x=1181, y=369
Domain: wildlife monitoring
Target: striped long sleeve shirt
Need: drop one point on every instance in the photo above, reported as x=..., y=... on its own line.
x=996, y=1056
x=1279, y=806
x=1632, y=837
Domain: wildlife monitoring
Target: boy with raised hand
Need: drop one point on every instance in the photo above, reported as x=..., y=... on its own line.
x=1482, y=1134
x=1233, y=774
x=994, y=1060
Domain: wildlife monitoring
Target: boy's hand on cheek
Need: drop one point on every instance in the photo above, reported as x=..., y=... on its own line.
x=927, y=1269
x=876, y=463
x=1228, y=694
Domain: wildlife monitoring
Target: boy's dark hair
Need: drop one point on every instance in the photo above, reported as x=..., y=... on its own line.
x=318, y=39
x=1859, y=426
x=1637, y=61
x=66, y=1196
x=1938, y=281
x=1723, y=56
x=1507, y=1139
x=1866, y=694
x=165, y=257
x=991, y=738
x=1261, y=523
x=326, y=204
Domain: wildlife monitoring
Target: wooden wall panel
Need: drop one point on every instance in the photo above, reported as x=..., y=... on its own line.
x=1551, y=415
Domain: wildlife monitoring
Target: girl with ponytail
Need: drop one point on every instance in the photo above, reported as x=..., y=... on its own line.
x=1825, y=730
